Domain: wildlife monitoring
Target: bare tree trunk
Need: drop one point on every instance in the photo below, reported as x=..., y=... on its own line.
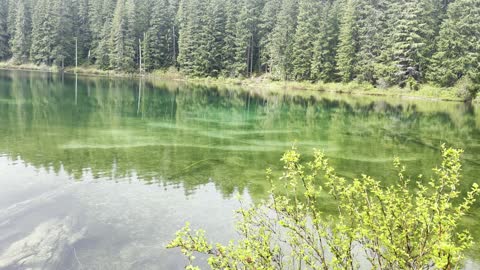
x=140, y=54
x=251, y=55
x=76, y=54
x=144, y=50
x=174, y=60
x=248, y=57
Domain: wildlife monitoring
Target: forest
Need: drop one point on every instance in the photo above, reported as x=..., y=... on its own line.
x=385, y=43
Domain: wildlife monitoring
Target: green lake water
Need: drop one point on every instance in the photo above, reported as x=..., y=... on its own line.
x=99, y=173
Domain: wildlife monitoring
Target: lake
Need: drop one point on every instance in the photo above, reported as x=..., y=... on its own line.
x=99, y=173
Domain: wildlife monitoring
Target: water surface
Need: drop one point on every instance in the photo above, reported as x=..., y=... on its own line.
x=99, y=173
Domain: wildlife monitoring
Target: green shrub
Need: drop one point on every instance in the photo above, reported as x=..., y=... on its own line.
x=477, y=99
x=466, y=89
x=392, y=227
x=412, y=84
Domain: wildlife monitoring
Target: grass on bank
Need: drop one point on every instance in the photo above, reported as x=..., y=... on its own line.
x=424, y=91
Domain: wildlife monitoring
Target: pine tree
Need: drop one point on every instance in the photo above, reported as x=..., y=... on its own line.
x=131, y=39
x=348, y=43
x=11, y=18
x=411, y=29
x=230, y=32
x=4, y=36
x=305, y=35
x=281, y=46
x=458, y=53
x=144, y=15
x=158, y=41
x=122, y=38
x=21, y=34
x=381, y=42
x=199, y=24
x=63, y=52
x=100, y=20
x=244, y=36
x=96, y=23
x=102, y=50
x=118, y=37
x=325, y=46
x=184, y=40
x=216, y=31
x=267, y=23
x=82, y=29
x=193, y=38
x=370, y=23
x=43, y=32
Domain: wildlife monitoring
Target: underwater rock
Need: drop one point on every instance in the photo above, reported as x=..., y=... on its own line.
x=44, y=248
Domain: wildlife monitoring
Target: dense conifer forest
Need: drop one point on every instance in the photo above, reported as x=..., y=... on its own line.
x=390, y=42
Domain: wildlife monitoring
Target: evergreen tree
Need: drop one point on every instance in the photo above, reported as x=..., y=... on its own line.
x=63, y=52
x=118, y=37
x=193, y=38
x=230, y=32
x=102, y=50
x=412, y=29
x=458, y=53
x=158, y=41
x=325, y=47
x=4, y=36
x=100, y=20
x=122, y=39
x=144, y=16
x=370, y=26
x=281, y=46
x=174, y=7
x=82, y=29
x=348, y=42
x=246, y=37
x=216, y=31
x=21, y=34
x=43, y=32
x=11, y=18
x=132, y=41
x=243, y=36
x=267, y=24
x=184, y=40
x=52, y=33
x=306, y=33
x=381, y=42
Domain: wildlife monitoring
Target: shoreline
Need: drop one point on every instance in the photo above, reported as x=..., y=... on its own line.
x=426, y=91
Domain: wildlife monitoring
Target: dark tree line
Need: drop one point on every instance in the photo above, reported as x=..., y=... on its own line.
x=383, y=42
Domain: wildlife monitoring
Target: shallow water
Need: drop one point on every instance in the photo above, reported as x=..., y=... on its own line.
x=99, y=173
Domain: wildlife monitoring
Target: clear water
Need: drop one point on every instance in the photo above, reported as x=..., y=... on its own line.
x=99, y=173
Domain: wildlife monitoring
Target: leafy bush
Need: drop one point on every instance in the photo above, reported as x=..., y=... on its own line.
x=386, y=227
x=477, y=100
x=412, y=84
x=466, y=89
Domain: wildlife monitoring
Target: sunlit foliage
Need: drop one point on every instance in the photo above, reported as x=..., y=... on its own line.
x=382, y=227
